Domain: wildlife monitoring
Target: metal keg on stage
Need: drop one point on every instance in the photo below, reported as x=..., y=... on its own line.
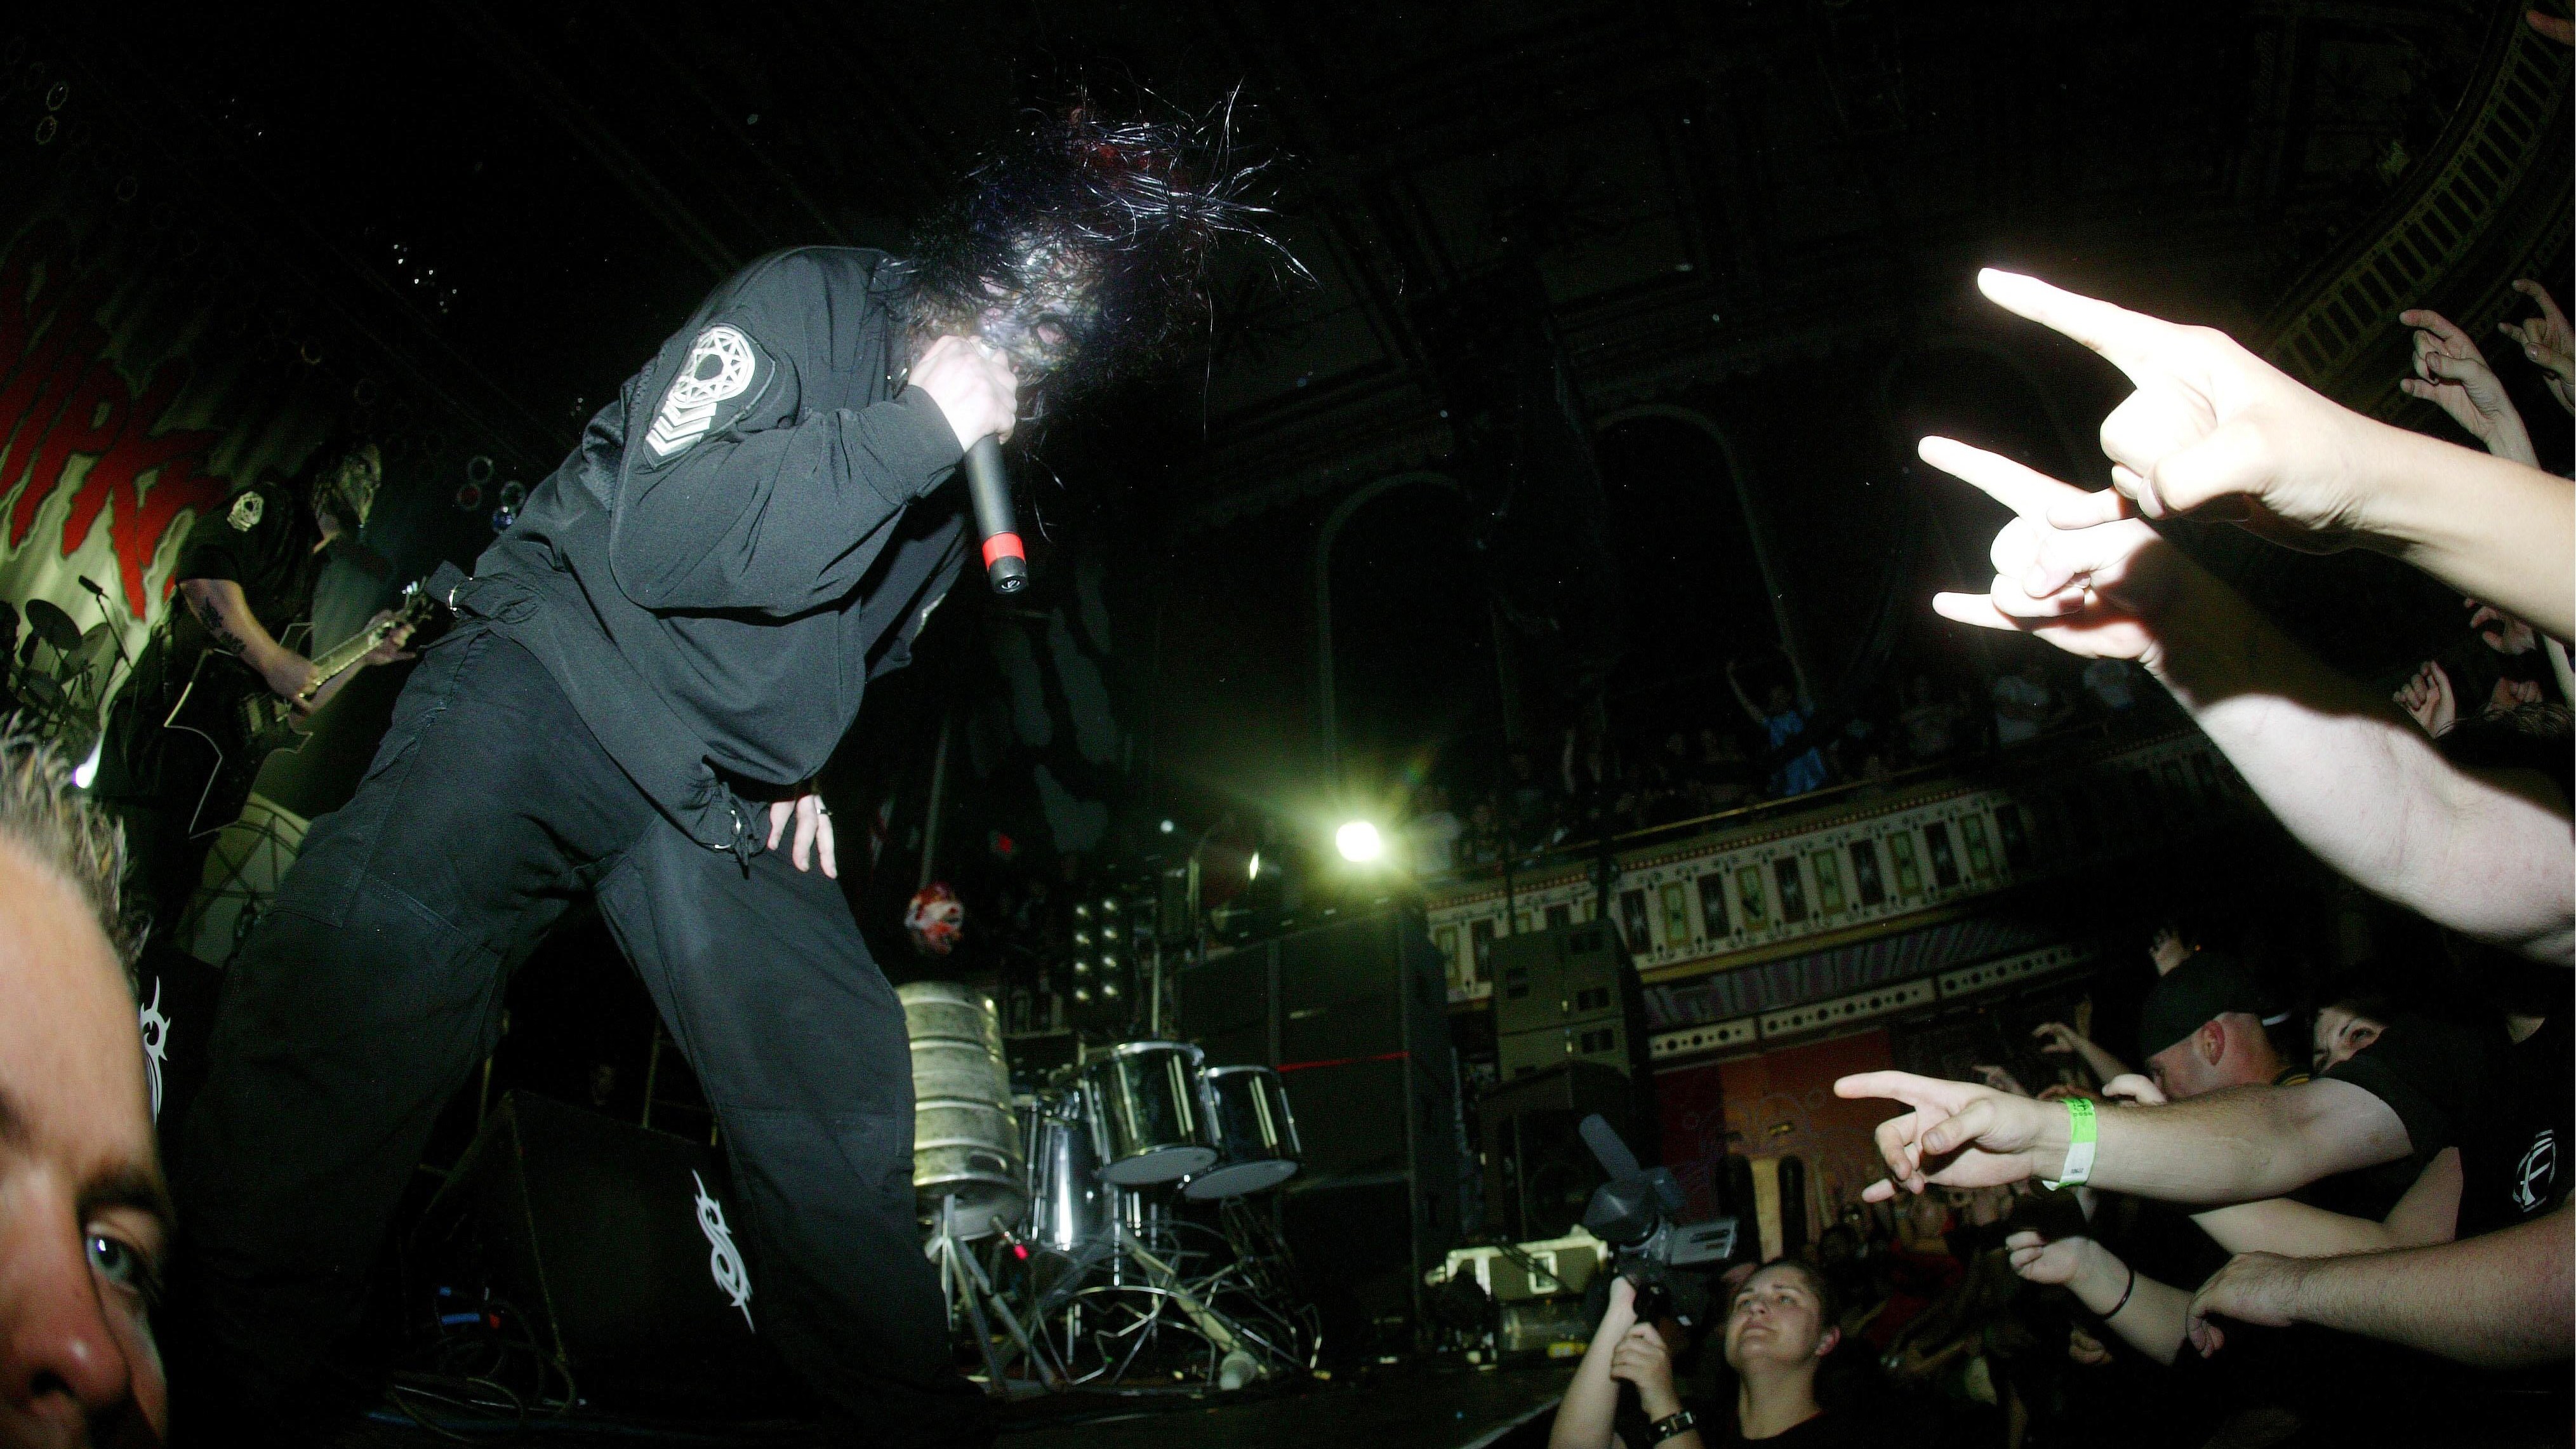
x=965, y=1141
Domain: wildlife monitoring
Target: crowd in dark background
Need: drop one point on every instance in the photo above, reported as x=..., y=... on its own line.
x=1677, y=767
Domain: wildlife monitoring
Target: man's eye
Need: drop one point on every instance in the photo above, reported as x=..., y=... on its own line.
x=120, y=1263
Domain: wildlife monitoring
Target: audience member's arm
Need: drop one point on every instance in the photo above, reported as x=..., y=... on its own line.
x=2344, y=771
x=2546, y=339
x=1743, y=697
x=1591, y=1404
x=2428, y=700
x=2152, y=1317
x=2429, y=1213
x=2229, y=1146
x=2213, y=429
x=2453, y=375
x=2059, y=1038
x=2499, y=1300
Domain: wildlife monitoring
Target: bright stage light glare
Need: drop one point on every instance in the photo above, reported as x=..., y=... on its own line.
x=88, y=770
x=1169, y=827
x=1254, y=870
x=1359, y=842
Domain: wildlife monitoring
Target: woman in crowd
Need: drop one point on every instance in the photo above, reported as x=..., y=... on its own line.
x=1779, y=1328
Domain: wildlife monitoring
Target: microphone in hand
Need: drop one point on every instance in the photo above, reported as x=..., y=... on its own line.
x=988, y=489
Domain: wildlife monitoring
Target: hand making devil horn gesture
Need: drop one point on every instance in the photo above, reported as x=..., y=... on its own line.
x=2216, y=432
x=2090, y=589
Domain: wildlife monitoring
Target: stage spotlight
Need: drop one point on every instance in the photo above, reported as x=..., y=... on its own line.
x=1254, y=869
x=1359, y=842
x=1169, y=827
x=88, y=771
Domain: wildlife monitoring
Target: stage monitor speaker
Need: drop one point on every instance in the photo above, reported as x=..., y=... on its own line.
x=622, y=1247
x=1538, y=1172
x=1354, y=1016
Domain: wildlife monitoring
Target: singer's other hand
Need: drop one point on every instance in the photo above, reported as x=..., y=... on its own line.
x=974, y=386
x=813, y=830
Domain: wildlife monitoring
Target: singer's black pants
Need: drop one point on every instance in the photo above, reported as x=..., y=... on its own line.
x=372, y=989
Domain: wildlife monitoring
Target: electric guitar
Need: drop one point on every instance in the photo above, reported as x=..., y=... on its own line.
x=230, y=706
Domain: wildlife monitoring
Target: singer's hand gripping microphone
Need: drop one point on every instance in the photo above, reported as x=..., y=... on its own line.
x=988, y=488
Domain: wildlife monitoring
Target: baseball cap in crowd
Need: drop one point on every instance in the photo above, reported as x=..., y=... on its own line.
x=2210, y=985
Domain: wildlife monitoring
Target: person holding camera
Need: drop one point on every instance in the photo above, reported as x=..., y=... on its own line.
x=1780, y=1325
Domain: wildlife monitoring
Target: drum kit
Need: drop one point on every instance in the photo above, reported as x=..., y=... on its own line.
x=53, y=676
x=1109, y=1230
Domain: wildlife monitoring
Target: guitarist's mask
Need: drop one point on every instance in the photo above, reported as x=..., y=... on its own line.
x=347, y=488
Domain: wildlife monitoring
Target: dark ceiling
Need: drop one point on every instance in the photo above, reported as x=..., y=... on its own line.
x=1757, y=209
x=534, y=195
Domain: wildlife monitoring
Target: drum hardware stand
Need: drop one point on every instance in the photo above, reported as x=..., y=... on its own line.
x=1211, y=1324
x=1122, y=1255
x=964, y=1284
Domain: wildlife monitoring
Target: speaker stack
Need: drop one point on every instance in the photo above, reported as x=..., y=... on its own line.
x=1566, y=994
x=1353, y=1016
x=1570, y=1040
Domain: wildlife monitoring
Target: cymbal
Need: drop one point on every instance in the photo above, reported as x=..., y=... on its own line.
x=94, y=646
x=53, y=625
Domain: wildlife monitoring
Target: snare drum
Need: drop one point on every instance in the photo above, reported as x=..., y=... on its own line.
x=1256, y=1137
x=1149, y=1122
x=965, y=1143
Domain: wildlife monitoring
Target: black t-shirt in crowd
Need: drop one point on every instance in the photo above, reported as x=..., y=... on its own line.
x=1831, y=1429
x=261, y=538
x=2506, y=1107
x=1828, y=1430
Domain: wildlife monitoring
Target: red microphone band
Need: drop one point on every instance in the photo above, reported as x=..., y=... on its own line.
x=1002, y=546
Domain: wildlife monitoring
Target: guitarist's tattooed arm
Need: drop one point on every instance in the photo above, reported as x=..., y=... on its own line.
x=201, y=603
x=219, y=605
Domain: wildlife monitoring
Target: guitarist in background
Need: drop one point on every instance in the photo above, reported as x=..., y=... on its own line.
x=173, y=767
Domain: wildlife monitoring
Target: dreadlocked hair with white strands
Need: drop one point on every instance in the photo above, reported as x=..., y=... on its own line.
x=1082, y=248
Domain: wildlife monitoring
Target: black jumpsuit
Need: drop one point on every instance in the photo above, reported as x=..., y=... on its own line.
x=677, y=631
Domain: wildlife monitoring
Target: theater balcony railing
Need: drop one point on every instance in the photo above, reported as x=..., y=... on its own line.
x=1704, y=901
x=2487, y=202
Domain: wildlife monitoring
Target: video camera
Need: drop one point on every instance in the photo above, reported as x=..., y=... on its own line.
x=1634, y=1213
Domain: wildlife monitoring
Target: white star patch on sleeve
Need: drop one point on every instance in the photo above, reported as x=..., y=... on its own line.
x=722, y=366
x=246, y=512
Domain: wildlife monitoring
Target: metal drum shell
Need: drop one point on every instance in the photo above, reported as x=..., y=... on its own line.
x=1255, y=1130
x=1068, y=1207
x=1149, y=1121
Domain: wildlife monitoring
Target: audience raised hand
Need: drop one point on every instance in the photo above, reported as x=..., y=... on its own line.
x=2428, y=700
x=2502, y=632
x=2340, y=769
x=2056, y=1038
x=2148, y=1314
x=2216, y=432
x=2546, y=339
x=2453, y=375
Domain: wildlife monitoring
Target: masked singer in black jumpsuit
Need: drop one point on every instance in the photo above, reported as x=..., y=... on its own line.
x=645, y=670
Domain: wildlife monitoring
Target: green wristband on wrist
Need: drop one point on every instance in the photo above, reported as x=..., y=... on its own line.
x=2079, y=1145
